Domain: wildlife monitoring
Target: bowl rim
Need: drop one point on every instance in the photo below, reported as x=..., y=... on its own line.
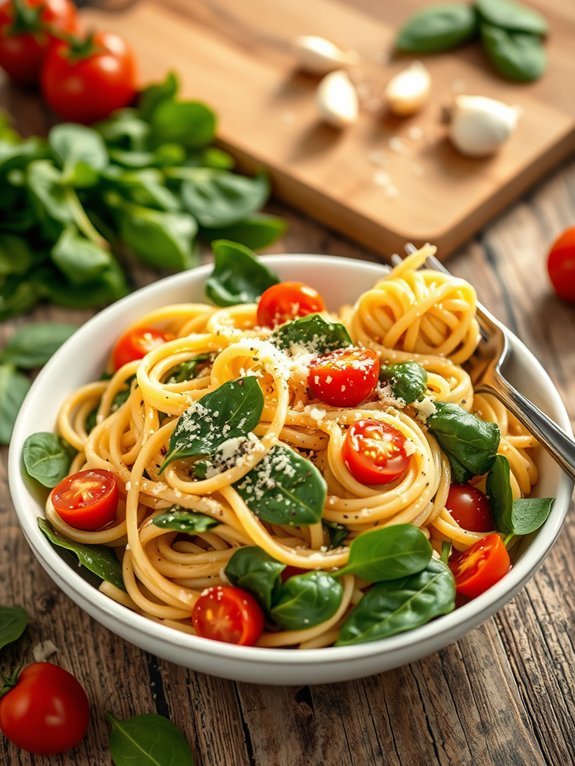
x=471, y=613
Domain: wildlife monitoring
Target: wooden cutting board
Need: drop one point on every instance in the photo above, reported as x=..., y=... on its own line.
x=384, y=181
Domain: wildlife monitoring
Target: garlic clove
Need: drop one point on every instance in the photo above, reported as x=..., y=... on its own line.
x=408, y=91
x=320, y=56
x=480, y=125
x=337, y=100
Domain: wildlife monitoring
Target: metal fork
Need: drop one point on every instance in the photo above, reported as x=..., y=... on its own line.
x=487, y=376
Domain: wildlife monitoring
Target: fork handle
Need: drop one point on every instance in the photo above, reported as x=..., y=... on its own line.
x=560, y=445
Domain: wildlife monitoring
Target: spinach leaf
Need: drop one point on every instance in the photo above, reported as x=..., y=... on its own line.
x=284, y=488
x=15, y=255
x=438, y=28
x=159, y=239
x=238, y=276
x=253, y=569
x=255, y=231
x=152, y=96
x=187, y=370
x=110, y=285
x=315, y=333
x=13, y=621
x=145, y=187
x=232, y=410
x=147, y=739
x=98, y=559
x=530, y=513
x=518, y=56
x=337, y=533
x=34, y=344
x=388, y=553
x=181, y=520
x=125, y=129
x=48, y=196
x=47, y=458
x=17, y=295
x=306, y=600
x=218, y=198
x=13, y=389
x=187, y=122
x=78, y=258
x=512, y=16
x=73, y=143
x=395, y=606
x=472, y=442
x=408, y=380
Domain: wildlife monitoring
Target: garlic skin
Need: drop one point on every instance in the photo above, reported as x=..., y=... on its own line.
x=337, y=100
x=480, y=125
x=408, y=92
x=320, y=56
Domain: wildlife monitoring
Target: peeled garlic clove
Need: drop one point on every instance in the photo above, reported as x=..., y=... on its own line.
x=408, y=91
x=320, y=56
x=337, y=100
x=481, y=125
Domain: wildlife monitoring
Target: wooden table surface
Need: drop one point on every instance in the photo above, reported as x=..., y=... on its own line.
x=504, y=695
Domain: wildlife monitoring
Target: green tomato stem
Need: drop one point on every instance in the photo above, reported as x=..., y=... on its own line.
x=508, y=539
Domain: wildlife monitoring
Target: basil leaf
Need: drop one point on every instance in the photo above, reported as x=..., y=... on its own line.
x=306, y=600
x=79, y=259
x=17, y=295
x=253, y=569
x=238, y=276
x=15, y=255
x=13, y=621
x=393, y=607
x=126, y=130
x=459, y=474
x=48, y=196
x=408, y=380
x=284, y=488
x=512, y=16
x=47, y=458
x=438, y=28
x=152, y=96
x=77, y=144
x=219, y=198
x=13, y=389
x=471, y=441
x=159, y=239
x=98, y=559
x=315, y=333
x=388, y=553
x=232, y=410
x=184, y=521
x=147, y=739
x=337, y=533
x=108, y=287
x=187, y=370
x=255, y=231
x=530, y=513
x=498, y=491
x=187, y=122
x=518, y=56
x=34, y=344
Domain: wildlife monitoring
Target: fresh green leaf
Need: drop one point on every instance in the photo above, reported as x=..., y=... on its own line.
x=306, y=600
x=148, y=739
x=518, y=56
x=34, y=344
x=15, y=255
x=530, y=513
x=498, y=491
x=187, y=370
x=238, y=276
x=219, y=198
x=72, y=143
x=13, y=389
x=190, y=123
x=47, y=458
x=98, y=559
x=437, y=28
x=253, y=569
x=13, y=621
x=109, y=287
x=20, y=155
x=125, y=130
x=395, y=606
x=284, y=488
x=408, y=380
x=512, y=16
x=255, y=231
x=48, y=196
x=210, y=157
x=337, y=533
x=17, y=296
x=79, y=259
x=145, y=187
x=313, y=332
x=154, y=95
x=181, y=520
x=162, y=240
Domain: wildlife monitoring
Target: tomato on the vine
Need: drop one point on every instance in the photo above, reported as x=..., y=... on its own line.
x=286, y=301
x=344, y=377
x=46, y=711
x=470, y=508
x=229, y=614
x=480, y=566
x=375, y=452
x=87, y=80
x=135, y=344
x=561, y=265
x=87, y=500
x=25, y=34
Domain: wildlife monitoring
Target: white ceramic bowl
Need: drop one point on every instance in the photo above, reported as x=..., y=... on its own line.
x=81, y=360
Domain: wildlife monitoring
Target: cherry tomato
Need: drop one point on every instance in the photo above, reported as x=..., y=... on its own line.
x=25, y=34
x=87, y=81
x=135, y=344
x=286, y=301
x=480, y=566
x=87, y=499
x=470, y=508
x=561, y=265
x=229, y=614
x=290, y=571
x=46, y=712
x=345, y=377
x=374, y=452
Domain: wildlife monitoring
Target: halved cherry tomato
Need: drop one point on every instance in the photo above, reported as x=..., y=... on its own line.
x=561, y=265
x=46, y=712
x=470, y=508
x=286, y=301
x=87, y=499
x=374, y=452
x=135, y=344
x=345, y=377
x=480, y=566
x=229, y=614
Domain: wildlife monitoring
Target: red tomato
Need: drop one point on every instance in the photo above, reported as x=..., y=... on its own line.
x=46, y=712
x=25, y=34
x=229, y=614
x=88, y=85
x=345, y=377
x=286, y=301
x=561, y=265
x=135, y=344
x=470, y=508
x=290, y=571
x=87, y=499
x=374, y=452
x=480, y=566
